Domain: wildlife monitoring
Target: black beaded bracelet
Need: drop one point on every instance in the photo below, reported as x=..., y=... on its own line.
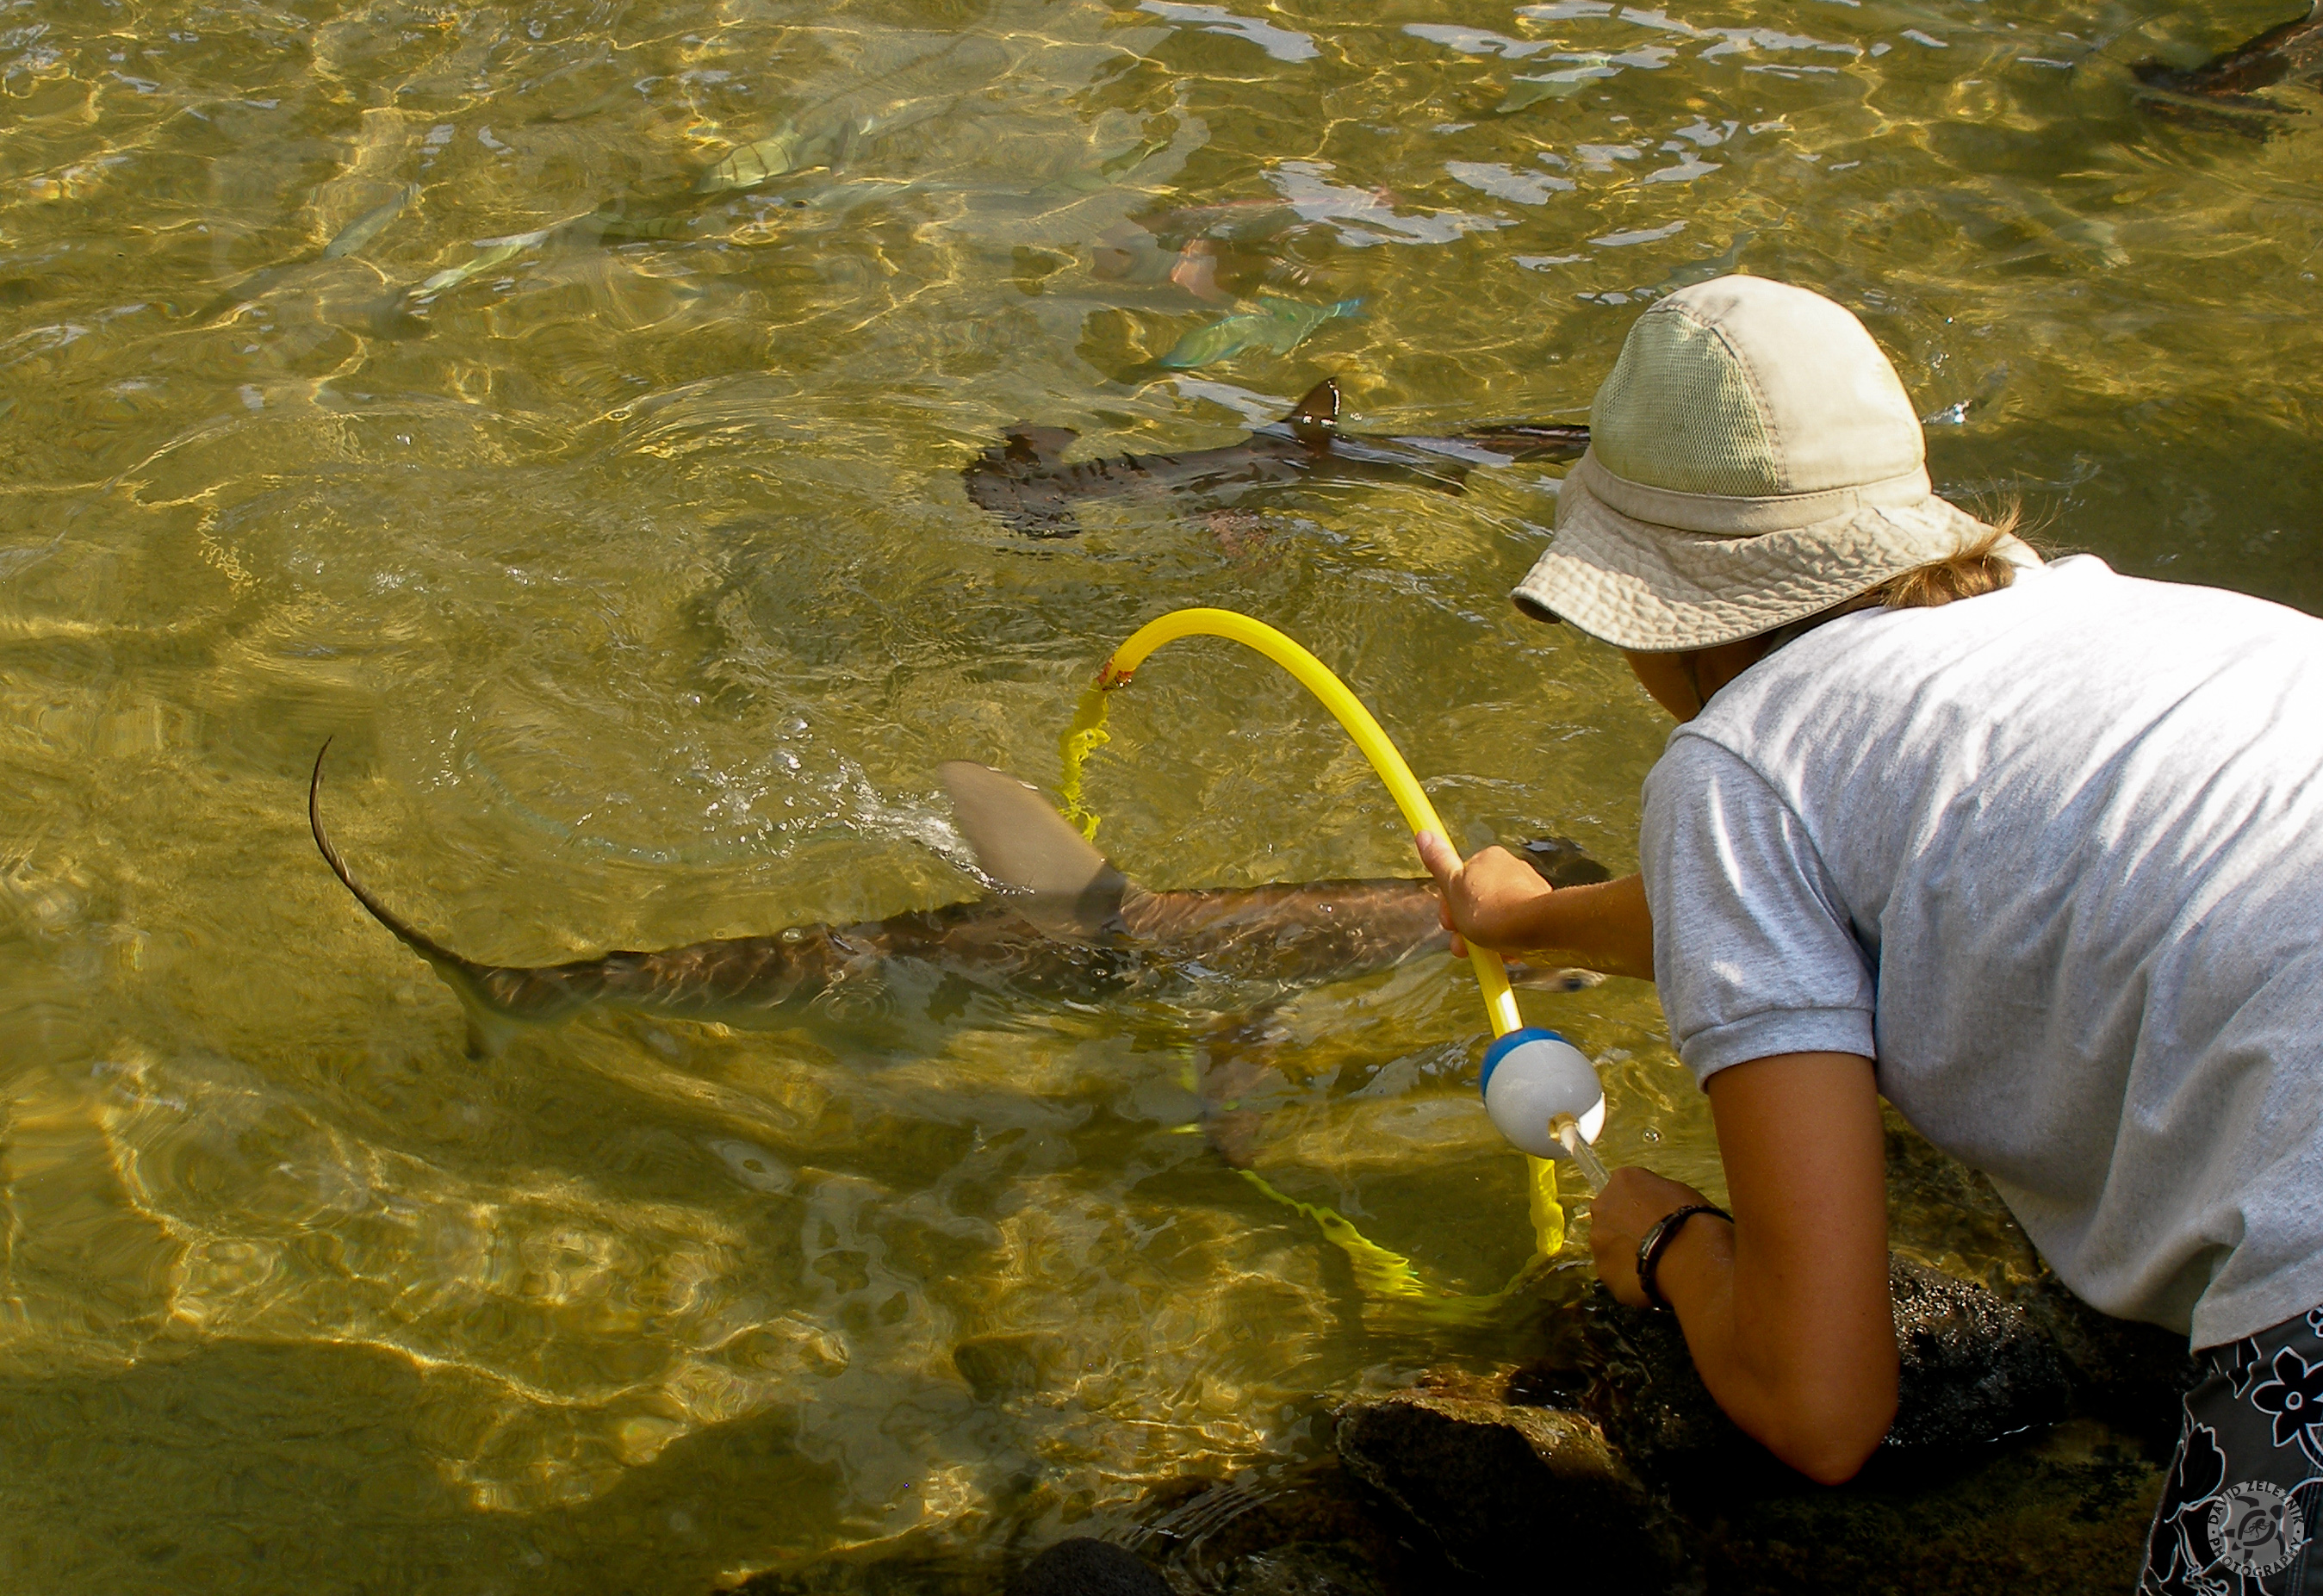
x=1657, y=1239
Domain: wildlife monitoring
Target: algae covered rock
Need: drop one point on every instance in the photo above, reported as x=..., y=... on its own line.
x=2064, y=1514
x=2127, y=1374
x=1085, y=1567
x=1500, y=1486
x=1987, y=1481
x=1971, y=1365
x=1310, y=1529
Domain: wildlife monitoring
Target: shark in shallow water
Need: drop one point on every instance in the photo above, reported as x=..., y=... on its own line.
x=2225, y=90
x=1064, y=926
x=1025, y=481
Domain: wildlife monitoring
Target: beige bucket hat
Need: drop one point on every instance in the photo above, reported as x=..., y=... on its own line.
x=1753, y=460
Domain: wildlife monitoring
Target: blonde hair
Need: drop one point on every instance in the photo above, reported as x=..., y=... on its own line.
x=1977, y=567
x=1981, y=566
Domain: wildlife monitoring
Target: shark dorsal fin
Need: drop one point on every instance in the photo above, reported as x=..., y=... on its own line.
x=1314, y=420
x=1037, y=445
x=1026, y=846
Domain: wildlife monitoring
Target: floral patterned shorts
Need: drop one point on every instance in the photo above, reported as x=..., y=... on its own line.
x=2245, y=1493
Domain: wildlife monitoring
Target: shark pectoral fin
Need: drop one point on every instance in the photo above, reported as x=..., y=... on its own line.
x=1314, y=420
x=1022, y=842
x=488, y=1034
x=1037, y=445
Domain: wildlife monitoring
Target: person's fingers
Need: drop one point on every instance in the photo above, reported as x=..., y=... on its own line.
x=1437, y=855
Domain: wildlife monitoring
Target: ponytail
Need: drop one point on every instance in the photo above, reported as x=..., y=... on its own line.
x=1977, y=567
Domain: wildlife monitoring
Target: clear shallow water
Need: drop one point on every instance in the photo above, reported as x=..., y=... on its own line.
x=637, y=582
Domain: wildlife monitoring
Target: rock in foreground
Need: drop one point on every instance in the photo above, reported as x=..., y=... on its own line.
x=1484, y=1477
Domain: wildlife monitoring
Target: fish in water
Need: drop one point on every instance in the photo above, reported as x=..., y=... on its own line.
x=2224, y=88
x=1279, y=326
x=347, y=241
x=490, y=253
x=370, y=224
x=669, y=217
x=1025, y=481
x=1066, y=925
x=747, y=165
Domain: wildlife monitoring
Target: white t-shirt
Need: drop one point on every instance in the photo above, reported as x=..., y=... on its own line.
x=2053, y=858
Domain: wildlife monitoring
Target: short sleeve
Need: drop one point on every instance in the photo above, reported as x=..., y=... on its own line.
x=1752, y=949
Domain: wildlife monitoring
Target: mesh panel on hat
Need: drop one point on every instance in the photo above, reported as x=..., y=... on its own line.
x=1678, y=413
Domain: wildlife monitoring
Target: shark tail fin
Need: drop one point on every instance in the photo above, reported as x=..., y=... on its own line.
x=489, y=1022
x=1314, y=420
x=1069, y=888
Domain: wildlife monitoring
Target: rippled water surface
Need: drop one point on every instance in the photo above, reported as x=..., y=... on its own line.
x=439, y=379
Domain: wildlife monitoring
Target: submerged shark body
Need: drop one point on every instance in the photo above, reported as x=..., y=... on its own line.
x=2225, y=88
x=1066, y=927
x=1025, y=483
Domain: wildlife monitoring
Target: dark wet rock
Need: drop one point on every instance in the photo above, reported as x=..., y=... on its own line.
x=1979, y=1487
x=1490, y=1480
x=1641, y=1389
x=2130, y=1376
x=915, y=1565
x=1087, y=1567
x=898, y=1568
x=1972, y=1366
x=1942, y=1213
x=1309, y=1530
x=2029, y=1445
x=2064, y=1515
x=1495, y=1485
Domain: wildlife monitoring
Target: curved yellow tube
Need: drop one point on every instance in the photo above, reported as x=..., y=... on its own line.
x=1418, y=813
x=1386, y=1270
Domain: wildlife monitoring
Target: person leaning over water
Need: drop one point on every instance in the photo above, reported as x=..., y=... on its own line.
x=2034, y=851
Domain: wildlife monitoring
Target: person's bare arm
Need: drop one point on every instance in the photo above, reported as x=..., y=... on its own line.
x=1786, y=1310
x=1501, y=903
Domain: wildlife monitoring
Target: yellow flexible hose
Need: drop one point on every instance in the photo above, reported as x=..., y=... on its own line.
x=1086, y=733
x=1418, y=813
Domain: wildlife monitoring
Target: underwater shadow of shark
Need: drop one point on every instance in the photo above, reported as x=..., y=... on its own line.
x=1024, y=481
x=1065, y=926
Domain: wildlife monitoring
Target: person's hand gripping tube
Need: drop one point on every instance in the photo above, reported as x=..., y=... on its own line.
x=1540, y=1089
